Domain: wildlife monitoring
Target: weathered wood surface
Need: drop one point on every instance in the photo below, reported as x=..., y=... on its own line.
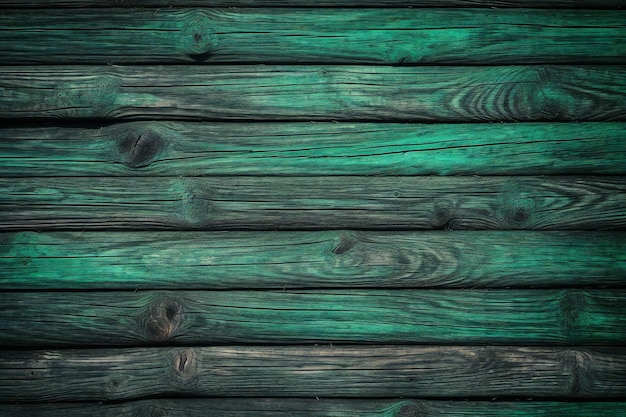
x=327, y=259
x=192, y=149
x=317, y=407
x=570, y=4
x=310, y=371
x=429, y=93
x=335, y=36
x=565, y=316
x=266, y=203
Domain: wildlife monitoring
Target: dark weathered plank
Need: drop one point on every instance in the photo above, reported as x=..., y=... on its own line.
x=443, y=94
x=329, y=259
x=599, y=4
x=336, y=36
x=190, y=149
x=317, y=407
x=322, y=371
x=355, y=316
x=266, y=203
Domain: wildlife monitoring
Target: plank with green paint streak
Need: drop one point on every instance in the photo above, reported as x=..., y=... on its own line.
x=569, y=4
x=322, y=407
x=310, y=371
x=339, y=202
x=430, y=93
x=229, y=407
x=335, y=36
x=327, y=259
x=511, y=316
x=302, y=149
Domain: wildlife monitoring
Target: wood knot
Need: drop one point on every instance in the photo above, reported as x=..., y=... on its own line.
x=161, y=319
x=408, y=410
x=346, y=242
x=571, y=305
x=185, y=367
x=117, y=383
x=141, y=151
x=443, y=215
x=519, y=212
x=199, y=41
x=577, y=363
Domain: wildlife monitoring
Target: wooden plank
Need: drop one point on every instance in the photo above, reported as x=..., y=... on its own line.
x=430, y=94
x=268, y=203
x=570, y=4
x=562, y=316
x=310, y=371
x=196, y=149
x=322, y=407
x=328, y=259
x=335, y=36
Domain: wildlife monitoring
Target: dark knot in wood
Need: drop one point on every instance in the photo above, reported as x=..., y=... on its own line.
x=443, y=214
x=519, y=212
x=140, y=151
x=408, y=410
x=572, y=304
x=577, y=362
x=346, y=242
x=185, y=367
x=199, y=41
x=161, y=319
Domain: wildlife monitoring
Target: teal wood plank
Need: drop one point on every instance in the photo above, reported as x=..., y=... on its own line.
x=323, y=3
x=313, y=371
x=564, y=316
x=328, y=259
x=314, y=407
x=335, y=36
x=303, y=149
x=338, y=202
x=429, y=94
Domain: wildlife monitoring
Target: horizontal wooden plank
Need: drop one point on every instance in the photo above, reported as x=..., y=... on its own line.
x=193, y=149
x=589, y=4
x=430, y=94
x=267, y=203
x=318, y=407
x=322, y=371
x=564, y=316
x=335, y=36
x=328, y=259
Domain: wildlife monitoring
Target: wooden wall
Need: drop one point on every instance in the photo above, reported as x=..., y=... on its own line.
x=407, y=208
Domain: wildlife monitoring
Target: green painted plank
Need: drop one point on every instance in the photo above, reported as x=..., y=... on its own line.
x=431, y=93
x=301, y=149
x=328, y=259
x=318, y=407
x=564, y=316
x=598, y=4
x=313, y=371
x=339, y=202
x=335, y=36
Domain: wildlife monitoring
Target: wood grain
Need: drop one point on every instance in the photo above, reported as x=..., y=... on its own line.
x=334, y=36
x=428, y=94
x=313, y=371
x=302, y=149
x=569, y=4
x=266, y=203
x=327, y=259
x=313, y=407
x=286, y=317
